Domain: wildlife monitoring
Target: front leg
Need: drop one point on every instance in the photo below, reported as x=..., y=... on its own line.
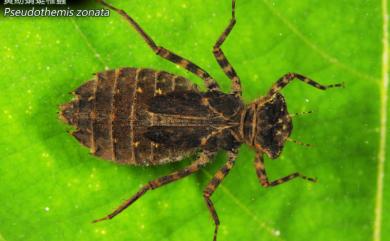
x=262, y=175
x=287, y=78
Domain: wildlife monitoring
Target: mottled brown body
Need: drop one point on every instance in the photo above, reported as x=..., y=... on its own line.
x=146, y=117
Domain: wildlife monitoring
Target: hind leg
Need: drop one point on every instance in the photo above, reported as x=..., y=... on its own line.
x=159, y=182
x=210, y=83
x=221, y=58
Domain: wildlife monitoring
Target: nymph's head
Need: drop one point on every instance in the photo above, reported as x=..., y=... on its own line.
x=267, y=125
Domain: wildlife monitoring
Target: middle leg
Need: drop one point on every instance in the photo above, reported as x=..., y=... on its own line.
x=221, y=58
x=212, y=186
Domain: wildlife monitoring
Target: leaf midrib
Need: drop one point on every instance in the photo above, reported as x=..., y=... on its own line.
x=383, y=125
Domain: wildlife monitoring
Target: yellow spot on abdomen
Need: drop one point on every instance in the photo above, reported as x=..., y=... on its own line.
x=203, y=141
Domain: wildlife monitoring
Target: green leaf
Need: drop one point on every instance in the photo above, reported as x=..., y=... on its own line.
x=51, y=188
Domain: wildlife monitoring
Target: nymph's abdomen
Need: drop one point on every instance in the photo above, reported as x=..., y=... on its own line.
x=110, y=114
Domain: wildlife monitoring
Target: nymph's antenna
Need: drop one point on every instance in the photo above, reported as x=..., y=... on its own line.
x=299, y=142
x=301, y=113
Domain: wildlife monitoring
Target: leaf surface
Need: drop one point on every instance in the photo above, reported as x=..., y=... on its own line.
x=51, y=188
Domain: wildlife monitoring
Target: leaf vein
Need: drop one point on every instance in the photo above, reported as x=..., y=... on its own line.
x=89, y=44
x=329, y=58
x=272, y=231
x=2, y=238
